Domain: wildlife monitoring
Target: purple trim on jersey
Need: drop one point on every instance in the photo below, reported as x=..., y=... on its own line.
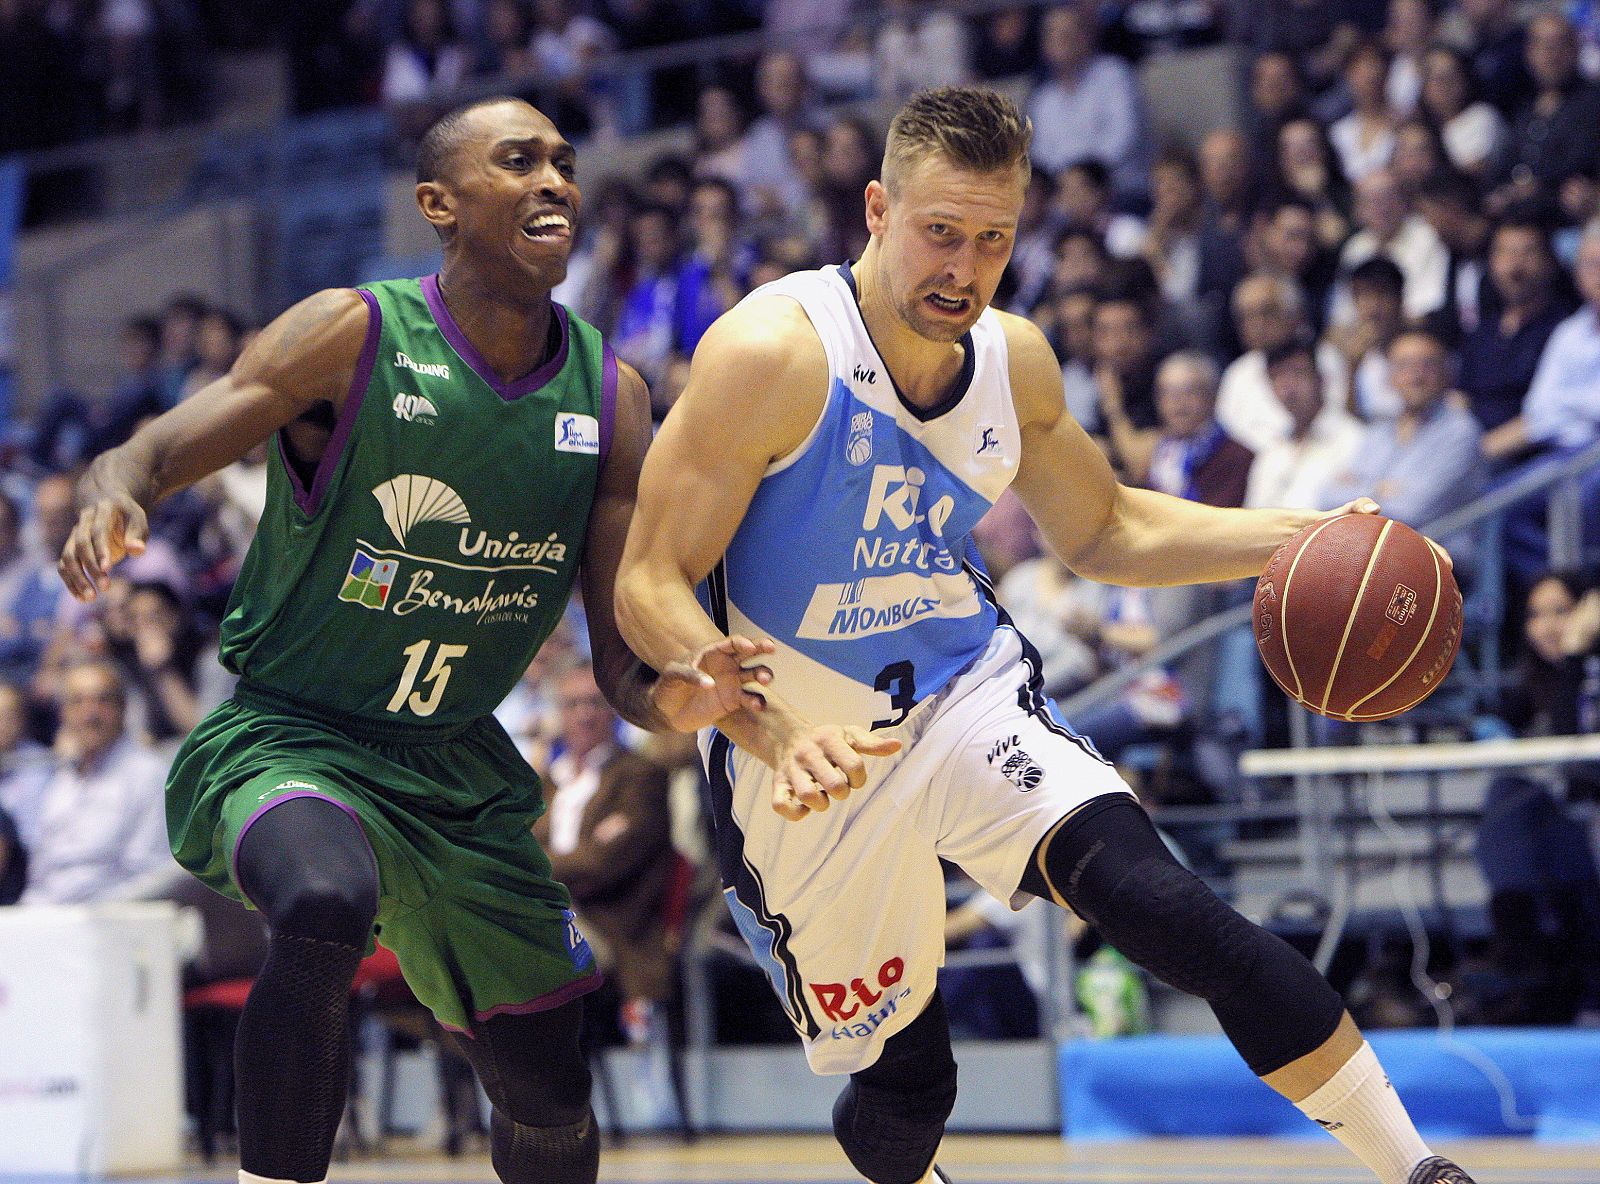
x=573, y=990
x=233, y=859
x=608, y=399
x=469, y=354
x=310, y=500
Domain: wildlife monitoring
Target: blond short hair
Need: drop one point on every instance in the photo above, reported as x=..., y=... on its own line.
x=973, y=127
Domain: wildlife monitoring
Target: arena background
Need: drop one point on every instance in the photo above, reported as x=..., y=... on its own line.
x=1212, y=176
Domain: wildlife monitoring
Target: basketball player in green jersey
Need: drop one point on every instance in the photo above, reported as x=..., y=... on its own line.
x=452, y=453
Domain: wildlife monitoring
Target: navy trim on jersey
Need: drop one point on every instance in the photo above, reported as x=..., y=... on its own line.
x=1031, y=697
x=958, y=390
x=741, y=878
x=717, y=593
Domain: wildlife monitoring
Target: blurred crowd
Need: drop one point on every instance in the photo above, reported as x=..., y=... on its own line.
x=1384, y=281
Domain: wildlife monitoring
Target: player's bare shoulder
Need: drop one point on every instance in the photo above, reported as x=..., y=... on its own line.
x=763, y=367
x=309, y=352
x=1035, y=371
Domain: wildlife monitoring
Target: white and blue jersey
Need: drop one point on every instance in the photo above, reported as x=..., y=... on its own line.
x=855, y=555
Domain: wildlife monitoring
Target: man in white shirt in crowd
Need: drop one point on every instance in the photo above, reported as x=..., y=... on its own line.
x=1269, y=310
x=101, y=833
x=1321, y=444
x=1089, y=106
x=1389, y=226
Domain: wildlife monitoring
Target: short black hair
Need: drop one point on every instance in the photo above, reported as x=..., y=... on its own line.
x=445, y=134
x=1382, y=273
x=1298, y=346
x=1452, y=187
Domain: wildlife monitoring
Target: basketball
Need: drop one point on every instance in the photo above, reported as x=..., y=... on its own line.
x=1357, y=617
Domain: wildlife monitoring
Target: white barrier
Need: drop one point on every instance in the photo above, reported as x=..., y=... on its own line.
x=1419, y=758
x=89, y=1041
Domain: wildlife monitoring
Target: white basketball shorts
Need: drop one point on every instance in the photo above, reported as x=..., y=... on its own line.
x=844, y=910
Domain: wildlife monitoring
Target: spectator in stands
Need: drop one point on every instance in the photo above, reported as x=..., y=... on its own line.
x=850, y=157
x=216, y=346
x=1081, y=259
x=1544, y=894
x=1285, y=241
x=1493, y=40
x=1364, y=139
x=1448, y=201
x=180, y=331
x=608, y=834
x=709, y=280
x=1225, y=179
x=1006, y=535
x=1406, y=36
x=1553, y=133
x=719, y=134
x=1172, y=232
x=1377, y=291
x=1473, y=130
x=667, y=182
x=1317, y=33
x=1389, y=226
x=566, y=45
x=1321, y=443
x=918, y=46
x=768, y=179
x=1418, y=154
x=1308, y=167
x=1277, y=95
x=646, y=330
x=1425, y=462
x=17, y=647
x=102, y=832
x=506, y=47
x=1059, y=612
x=13, y=861
x=1193, y=457
x=154, y=643
x=1500, y=356
x=1089, y=105
x=427, y=61
x=1073, y=310
x=1033, y=258
x=1006, y=43
x=25, y=765
x=1560, y=416
x=139, y=392
x=1269, y=312
x=1125, y=365
x=1083, y=202
x=29, y=617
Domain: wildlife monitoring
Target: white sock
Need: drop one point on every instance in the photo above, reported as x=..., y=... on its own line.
x=251, y=1178
x=1359, y=1107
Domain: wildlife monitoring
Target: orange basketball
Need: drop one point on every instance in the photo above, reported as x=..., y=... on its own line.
x=1357, y=617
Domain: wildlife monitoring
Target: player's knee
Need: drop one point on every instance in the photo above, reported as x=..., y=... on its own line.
x=551, y=1153
x=327, y=909
x=890, y=1118
x=532, y=1067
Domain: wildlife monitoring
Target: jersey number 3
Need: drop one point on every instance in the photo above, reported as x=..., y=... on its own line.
x=436, y=678
x=899, y=681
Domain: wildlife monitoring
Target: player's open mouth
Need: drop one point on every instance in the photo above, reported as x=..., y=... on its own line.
x=548, y=228
x=947, y=304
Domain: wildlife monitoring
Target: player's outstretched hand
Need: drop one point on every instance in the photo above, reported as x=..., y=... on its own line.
x=822, y=765
x=712, y=683
x=109, y=529
x=1360, y=505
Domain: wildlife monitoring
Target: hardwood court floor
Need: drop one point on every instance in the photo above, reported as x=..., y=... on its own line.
x=987, y=1159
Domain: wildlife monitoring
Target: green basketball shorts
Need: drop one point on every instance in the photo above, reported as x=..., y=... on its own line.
x=466, y=900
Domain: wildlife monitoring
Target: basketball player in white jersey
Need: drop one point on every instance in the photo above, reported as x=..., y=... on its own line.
x=841, y=433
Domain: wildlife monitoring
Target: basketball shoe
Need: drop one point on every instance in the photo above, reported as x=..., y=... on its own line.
x=1437, y=1170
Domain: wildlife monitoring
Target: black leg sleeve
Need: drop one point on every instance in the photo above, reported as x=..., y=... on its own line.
x=307, y=866
x=1111, y=866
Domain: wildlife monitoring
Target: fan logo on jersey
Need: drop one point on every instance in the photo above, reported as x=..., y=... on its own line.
x=369, y=580
x=414, y=408
x=858, y=448
x=577, y=433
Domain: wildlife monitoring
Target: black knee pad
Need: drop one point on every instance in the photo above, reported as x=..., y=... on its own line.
x=1114, y=870
x=890, y=1117
x=322, y=909
x=307, y=866
x=565, y=1154
x=531, y=1066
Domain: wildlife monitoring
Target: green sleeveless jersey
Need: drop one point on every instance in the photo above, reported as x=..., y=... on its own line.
x=436, y=545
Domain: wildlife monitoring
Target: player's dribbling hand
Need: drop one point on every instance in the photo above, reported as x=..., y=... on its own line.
x=712, y=683
x=819, y=766
x=109, y=529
